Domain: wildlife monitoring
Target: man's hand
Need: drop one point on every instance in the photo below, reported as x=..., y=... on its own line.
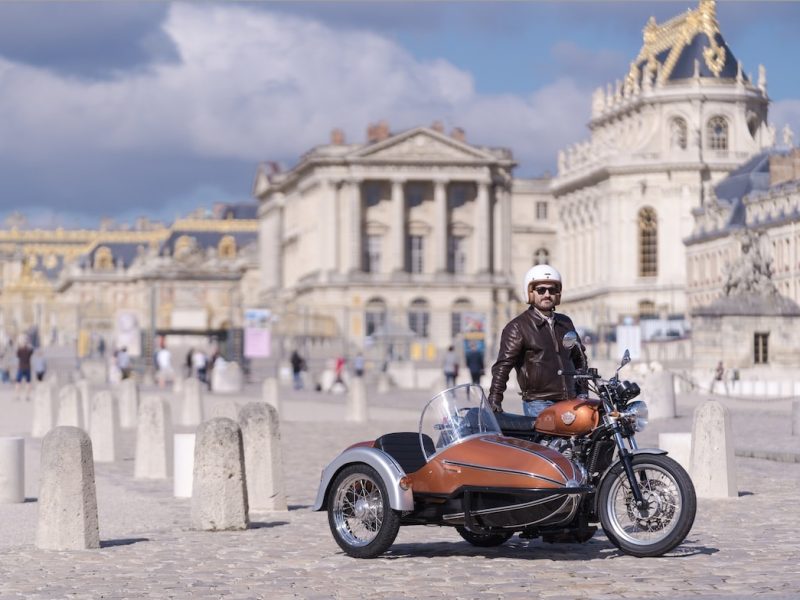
x=496, y=406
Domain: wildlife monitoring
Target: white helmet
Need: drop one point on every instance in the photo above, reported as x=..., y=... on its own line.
x=540, y=274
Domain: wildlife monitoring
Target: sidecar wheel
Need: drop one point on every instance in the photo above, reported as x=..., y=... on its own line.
x=484, y=540
x=671, y=506
x=362, y=521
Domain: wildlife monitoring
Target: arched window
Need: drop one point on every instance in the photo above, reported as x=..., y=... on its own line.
x=717, y=133
x=647, y=309
x=227, y=247
x=103, y=259
x=541, y=256
x=648, y=242
x=375, y=316
x=678, y=134
x=461, y=307
x=419, y=317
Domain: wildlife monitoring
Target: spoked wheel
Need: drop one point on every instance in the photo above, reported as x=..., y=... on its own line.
x=664, y=522
x=484, y=540
x=361, y=519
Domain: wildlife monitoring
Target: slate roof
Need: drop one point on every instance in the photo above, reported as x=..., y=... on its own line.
x=208, y=239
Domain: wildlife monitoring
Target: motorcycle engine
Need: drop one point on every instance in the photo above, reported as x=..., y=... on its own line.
x=562, y=445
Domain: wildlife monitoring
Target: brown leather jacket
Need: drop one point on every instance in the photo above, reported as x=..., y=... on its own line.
x=530, y=346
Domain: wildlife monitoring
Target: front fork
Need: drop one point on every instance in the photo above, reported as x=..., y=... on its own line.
x=626, y=457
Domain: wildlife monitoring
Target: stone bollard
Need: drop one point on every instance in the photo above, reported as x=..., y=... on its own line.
x=192, y=404
x=357, y=401
x=384, y=386
x=67, y=496
x=184, y=465
x=796, y=417
x=679, y=448
x=261, y=438
x=44, y=409
x=12, y=470
x=70, y=407
x=270, y=393
x=105, y=428
x=226, y=377
x=713, y=468
x=153, y=440
x=219, y=489
x=177, y=384
x=85, y=391
x=128, y=403
x=658, y=390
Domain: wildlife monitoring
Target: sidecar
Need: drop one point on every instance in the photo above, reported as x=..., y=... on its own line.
x=457, y=470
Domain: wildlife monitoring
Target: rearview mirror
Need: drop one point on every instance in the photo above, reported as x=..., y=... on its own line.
x=570, y=340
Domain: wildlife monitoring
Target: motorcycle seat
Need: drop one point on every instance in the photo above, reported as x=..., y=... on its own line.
x=404, y=447
x=510, y=422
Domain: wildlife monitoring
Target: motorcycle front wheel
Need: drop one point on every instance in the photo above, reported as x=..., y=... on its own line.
x=670, y=506
x=361, y=520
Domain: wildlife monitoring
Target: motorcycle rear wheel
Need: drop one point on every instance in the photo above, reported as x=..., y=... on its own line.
x=670, y=512
x=484, y=540
x=361, y=519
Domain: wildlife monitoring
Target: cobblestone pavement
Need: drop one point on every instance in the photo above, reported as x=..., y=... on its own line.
x=748, y=546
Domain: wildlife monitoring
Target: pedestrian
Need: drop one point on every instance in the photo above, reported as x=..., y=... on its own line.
x=531, y=344
x=450, y=367
x=338, y=372
x=474, y=360
x=124, y=362
x=24, y=354
x=39, y=364
x=719, y=378
x=358, y=365
x=164, y=369
x=188, y=362
x=199, y=365
x=298, y=366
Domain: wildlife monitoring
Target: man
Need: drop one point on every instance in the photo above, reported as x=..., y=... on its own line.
x=532, y=345
x=474, y=360
x=24, y=354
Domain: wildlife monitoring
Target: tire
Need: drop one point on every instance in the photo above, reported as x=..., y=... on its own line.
x=484, y=540
x=671, y=506
x=361, y=520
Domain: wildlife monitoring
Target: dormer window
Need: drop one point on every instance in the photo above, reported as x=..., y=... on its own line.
x=717, y=133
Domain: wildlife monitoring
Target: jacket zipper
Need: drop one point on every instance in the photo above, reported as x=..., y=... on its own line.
x=558, y=356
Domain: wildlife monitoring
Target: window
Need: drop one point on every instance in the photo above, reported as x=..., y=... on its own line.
x=541, y=210
x=372, y=193
x=678, y=133
x=227, y=247
x=648, y=243
x=541, y=256
x=457, y=255
x=761, y=348
x=717, y=133
x=372, y=258
x=375, y=316
x=103, y=259
x=416, y=253
x=647, y=309
x=457, y=317
x=419, y=317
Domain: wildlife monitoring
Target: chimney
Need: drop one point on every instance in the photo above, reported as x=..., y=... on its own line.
x=784, y=168
x=458, y=134
x=438, y=127
x=337, y=137
x=382, y=131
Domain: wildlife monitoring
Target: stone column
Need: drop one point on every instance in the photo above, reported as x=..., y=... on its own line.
x=441, y=225
x=67, y=494
x=397, y=248
x=350, y=194
x=270, y=233
x=483, y=219
x=327, y=226
x=502, y=230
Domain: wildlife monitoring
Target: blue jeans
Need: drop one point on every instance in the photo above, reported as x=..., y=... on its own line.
x=532, y=408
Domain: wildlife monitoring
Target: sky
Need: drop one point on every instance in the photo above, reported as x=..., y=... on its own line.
x=126, y=109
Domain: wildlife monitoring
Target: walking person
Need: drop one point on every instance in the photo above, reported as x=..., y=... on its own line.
x=39, y=364
x=532, y=345
x=24, y=354
x=474, y=360
x=450, y=367
x=298, y=366
x=164, y=370
x=358, y=365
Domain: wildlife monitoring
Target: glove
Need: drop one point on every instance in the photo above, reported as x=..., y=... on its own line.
x=496, y=407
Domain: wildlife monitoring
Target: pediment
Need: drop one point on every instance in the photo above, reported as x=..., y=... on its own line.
x=422, y=145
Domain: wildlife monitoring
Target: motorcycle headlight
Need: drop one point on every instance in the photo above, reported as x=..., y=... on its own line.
x=637, y=414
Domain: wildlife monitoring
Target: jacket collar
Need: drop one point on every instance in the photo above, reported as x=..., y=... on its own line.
x=538, y=319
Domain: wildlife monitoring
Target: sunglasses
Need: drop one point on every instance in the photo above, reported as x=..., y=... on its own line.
x=541, y=290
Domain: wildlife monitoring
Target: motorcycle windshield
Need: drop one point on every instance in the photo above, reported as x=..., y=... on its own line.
x=454, y=415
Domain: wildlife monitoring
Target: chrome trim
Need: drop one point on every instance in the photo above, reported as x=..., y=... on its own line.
x=501, y=470
x=487, y=511
x=385, y=465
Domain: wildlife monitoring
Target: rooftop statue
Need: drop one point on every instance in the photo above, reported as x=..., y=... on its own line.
x=752, y=273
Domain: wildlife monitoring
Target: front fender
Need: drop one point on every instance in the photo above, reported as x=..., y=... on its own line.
x=385, y=465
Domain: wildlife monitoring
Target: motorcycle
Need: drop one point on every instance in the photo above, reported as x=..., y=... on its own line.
x=493, y=475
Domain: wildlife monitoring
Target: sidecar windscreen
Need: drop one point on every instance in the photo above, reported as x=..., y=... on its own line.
x=454, y=415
